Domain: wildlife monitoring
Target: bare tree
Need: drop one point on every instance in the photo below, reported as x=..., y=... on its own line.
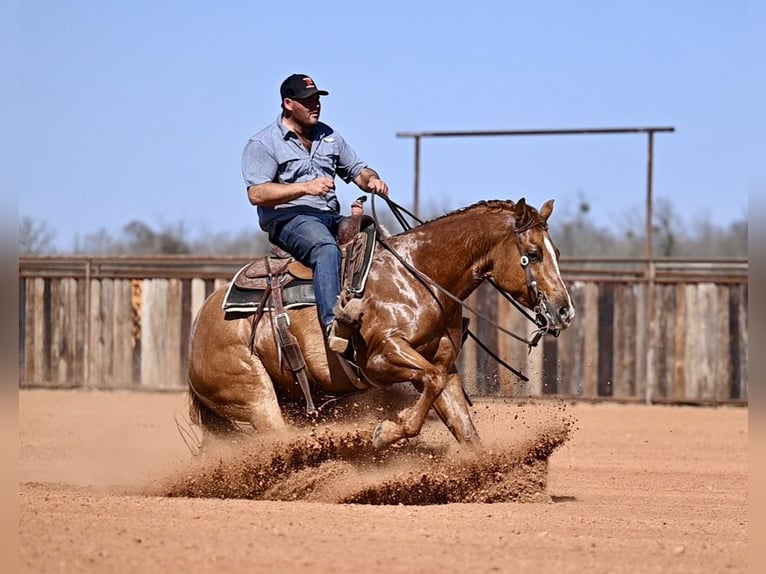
x=245, y=243
x=573, y=230
x=142, y=239
x=35, y=237
x=99, y=243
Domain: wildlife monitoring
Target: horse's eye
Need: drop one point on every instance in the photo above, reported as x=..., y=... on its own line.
x=535, y=256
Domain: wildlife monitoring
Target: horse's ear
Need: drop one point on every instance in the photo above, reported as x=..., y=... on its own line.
x=546, y=210
x=520, y=208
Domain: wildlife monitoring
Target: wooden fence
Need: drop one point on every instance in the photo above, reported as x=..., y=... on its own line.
x=123, y=323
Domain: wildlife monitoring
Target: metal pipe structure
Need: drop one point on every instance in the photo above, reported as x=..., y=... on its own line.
x=417, y=136
x=649, y=321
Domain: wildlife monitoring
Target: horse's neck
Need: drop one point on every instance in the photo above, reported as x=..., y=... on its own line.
x=453, y=253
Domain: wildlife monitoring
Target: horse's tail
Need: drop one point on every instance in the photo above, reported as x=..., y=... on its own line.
x=209, y=420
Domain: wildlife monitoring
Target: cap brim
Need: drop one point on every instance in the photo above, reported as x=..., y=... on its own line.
x=308, y=93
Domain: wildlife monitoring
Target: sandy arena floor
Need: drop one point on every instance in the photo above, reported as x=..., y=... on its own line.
x=626, y=489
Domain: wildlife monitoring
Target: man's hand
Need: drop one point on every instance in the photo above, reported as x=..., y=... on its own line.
x=320, y=186
x=357, y=207
x=377, y=185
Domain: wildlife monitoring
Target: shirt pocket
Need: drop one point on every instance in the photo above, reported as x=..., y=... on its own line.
x=292, y=167
x=326, y=157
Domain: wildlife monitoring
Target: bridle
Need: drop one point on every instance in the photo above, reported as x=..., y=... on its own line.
x=542, y=309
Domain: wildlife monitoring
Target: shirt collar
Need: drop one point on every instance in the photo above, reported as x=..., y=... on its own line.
x=320, y=131
x=283, y=128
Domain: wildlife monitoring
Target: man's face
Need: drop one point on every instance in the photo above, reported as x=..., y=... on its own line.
x=305, y=111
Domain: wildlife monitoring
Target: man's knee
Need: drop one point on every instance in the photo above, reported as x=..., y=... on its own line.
x=326, y=249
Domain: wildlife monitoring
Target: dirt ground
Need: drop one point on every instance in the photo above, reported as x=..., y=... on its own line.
x=108, y=485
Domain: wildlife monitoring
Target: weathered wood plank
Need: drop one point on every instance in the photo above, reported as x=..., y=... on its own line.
x=722, y=348
x=34, y=343
x=153, y=323
x=136, y=312
x=742, y=341
x=65, y=315
x=106, y=337
x=56, y=350
x=95, y=342
x=693, y=350
x=641, y=341
x=550, y=363
x=625, y=328
x=22, y=330
x=122, y=333
x=79, y=329
x=198, y=295
x=588, y=315
x=665, y=316
x=160, y=334
x=534, y=371
x=680, y=370
x=571, y=348
x=175, y=377
x=708, y=310
x=606, y=339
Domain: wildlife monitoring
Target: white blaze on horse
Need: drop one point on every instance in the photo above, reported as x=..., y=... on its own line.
x=409, y=331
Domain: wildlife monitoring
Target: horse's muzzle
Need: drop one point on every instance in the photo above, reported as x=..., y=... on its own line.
x=559, y=318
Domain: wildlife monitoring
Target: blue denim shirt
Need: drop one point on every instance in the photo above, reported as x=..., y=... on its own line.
x=276, y=154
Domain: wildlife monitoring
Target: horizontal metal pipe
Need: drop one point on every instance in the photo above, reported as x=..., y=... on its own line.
x=538, y=132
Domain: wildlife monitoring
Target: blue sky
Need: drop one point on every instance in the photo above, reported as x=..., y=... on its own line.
x=140, y=110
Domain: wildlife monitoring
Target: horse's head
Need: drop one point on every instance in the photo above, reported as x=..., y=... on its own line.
x=535, y=263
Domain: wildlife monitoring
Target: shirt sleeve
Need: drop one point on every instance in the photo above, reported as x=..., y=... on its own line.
x=258, y=164
x=349, y=164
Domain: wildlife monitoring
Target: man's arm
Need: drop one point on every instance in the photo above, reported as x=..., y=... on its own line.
x=270, y=194
x=369, y=180
x=259, y=164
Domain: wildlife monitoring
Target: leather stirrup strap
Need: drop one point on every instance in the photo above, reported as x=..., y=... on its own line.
x=262, y=306
x=351, y=375
x=289, y=344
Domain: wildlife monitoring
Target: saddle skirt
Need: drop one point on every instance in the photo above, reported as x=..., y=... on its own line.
x=251, y=283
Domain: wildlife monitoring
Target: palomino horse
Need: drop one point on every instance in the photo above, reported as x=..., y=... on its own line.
x=411, y=324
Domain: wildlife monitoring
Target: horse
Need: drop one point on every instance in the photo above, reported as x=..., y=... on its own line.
x=410, y=328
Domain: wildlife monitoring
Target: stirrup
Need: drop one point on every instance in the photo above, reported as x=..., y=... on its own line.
x=337, y=337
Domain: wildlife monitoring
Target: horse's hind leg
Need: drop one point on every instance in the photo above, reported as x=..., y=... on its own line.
x=245, y=395
x=251, y=398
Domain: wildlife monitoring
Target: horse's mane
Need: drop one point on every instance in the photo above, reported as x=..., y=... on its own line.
x=524, y=220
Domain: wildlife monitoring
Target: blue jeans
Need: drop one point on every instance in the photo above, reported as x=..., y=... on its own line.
x=312, y=240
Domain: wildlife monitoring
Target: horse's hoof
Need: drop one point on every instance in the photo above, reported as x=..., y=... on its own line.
x=380, y=436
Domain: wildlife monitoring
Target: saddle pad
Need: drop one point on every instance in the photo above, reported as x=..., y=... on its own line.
x=296, y=294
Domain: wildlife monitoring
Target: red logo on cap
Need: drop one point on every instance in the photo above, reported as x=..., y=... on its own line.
x=309, y=82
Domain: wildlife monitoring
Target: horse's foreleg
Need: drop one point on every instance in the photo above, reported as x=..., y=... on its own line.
x=452, y=408
x=408, y=365
x=410, y=421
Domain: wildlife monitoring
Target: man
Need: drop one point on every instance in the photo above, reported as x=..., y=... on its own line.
x=289, y=168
